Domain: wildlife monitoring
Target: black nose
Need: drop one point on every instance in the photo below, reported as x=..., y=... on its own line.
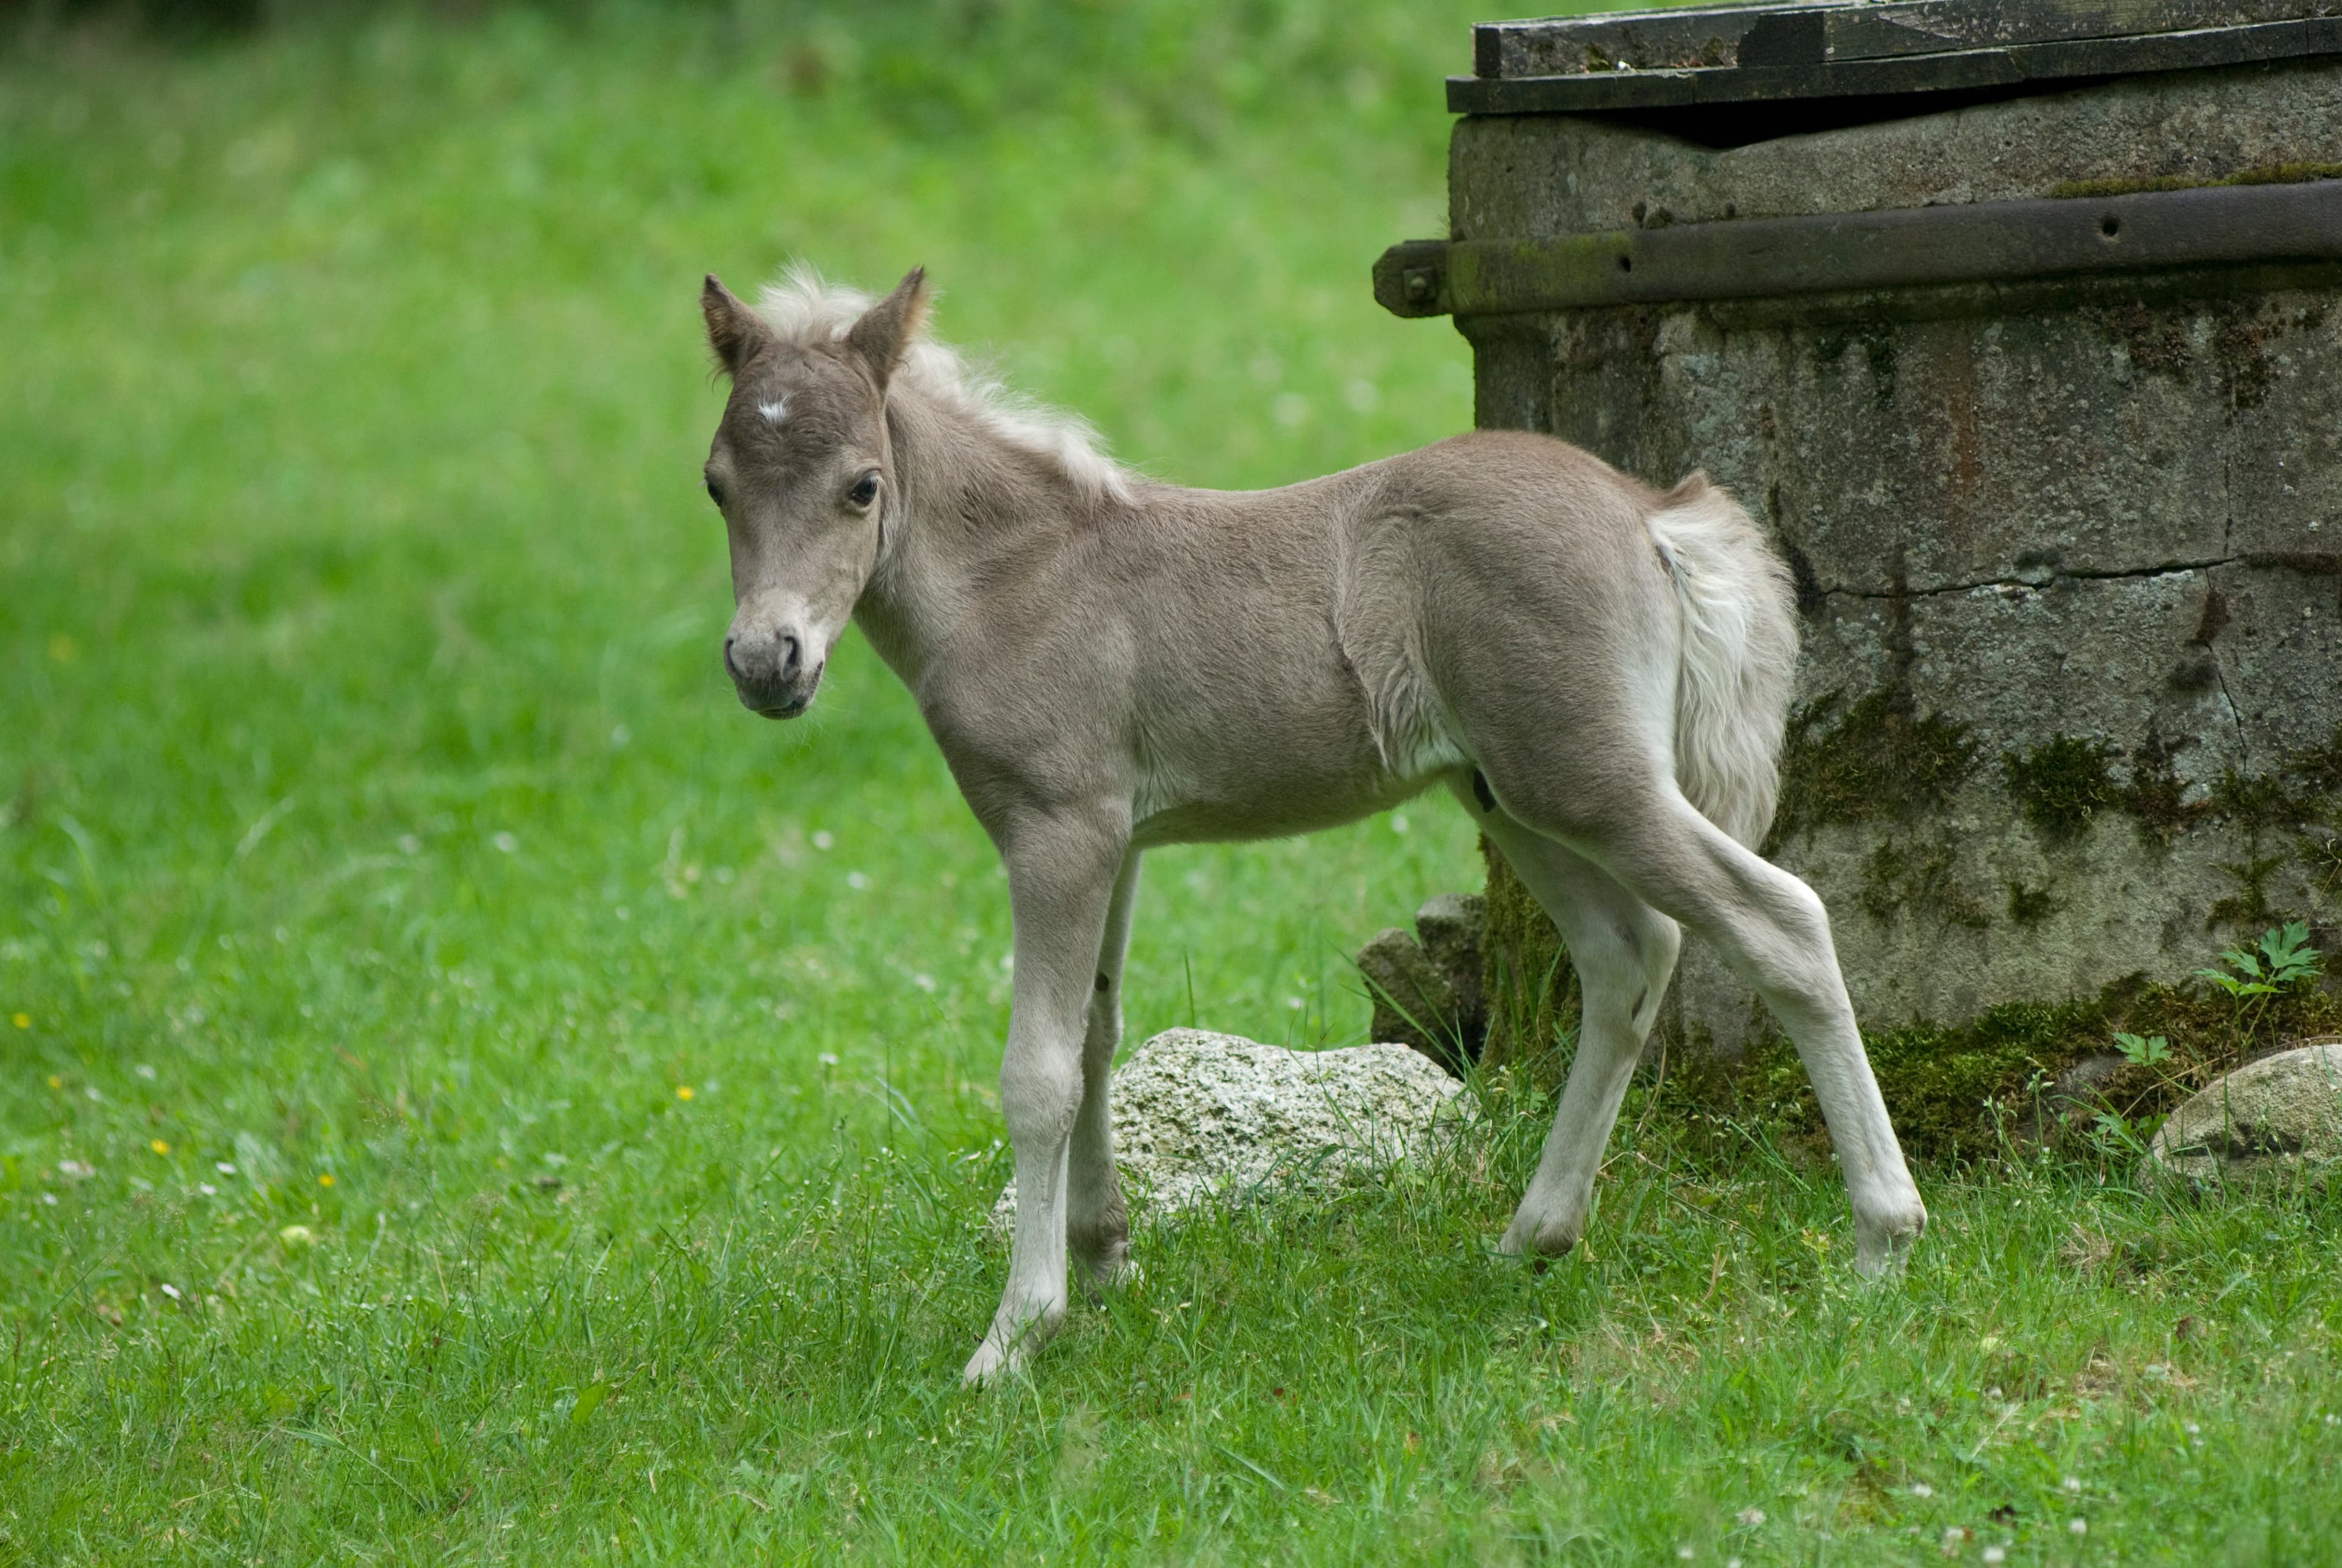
x=764, y=663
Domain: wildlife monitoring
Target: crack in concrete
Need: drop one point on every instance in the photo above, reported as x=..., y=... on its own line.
x=2164, y=569
x=2227, y=542
x=2235, y=714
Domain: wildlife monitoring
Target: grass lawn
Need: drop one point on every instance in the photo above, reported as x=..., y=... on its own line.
x=470, y=1091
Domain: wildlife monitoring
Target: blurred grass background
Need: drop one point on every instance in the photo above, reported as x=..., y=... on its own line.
x=356, y=408
x=470, y=1091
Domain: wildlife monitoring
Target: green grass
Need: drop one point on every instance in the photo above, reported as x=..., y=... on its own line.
x=378, y=822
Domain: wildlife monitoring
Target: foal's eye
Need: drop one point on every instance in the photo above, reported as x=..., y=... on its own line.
x=864, y=491
x=715, y=494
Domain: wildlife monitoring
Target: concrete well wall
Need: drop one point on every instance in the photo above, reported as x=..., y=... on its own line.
x=2069, y=552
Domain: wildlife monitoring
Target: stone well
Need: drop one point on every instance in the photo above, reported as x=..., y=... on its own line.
x=2017, y=326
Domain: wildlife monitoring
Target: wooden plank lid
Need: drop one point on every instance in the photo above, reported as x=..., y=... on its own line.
x=1649, y=60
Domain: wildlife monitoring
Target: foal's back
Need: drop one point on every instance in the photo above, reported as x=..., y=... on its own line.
x=1297, y=655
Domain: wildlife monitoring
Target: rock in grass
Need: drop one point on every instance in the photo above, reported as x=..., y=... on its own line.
x=1450, y=924
x=2275, y=1117
x=1199, y=1116
x=1426, y=992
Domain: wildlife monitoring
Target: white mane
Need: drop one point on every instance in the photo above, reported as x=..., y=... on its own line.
x=804, y=309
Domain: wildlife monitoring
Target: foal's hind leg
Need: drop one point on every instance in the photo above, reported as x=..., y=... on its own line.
x=1772, y=931
x=1097, y=1226
x=1625, y=952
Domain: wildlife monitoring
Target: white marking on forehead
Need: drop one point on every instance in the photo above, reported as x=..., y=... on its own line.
x=775, y=411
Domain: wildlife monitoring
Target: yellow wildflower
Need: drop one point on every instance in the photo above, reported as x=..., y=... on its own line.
x=21, y=1019
x=159, y=1146
x=325, y=1180
x=682, y=1091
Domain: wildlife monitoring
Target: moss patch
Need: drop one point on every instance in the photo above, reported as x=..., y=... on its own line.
x=2293, y=174
x=1898, y=876
x=1967, y=1090
x=2061, y=786
x=1527, y=978
x=1876, y=758
x=2029, y=905
x=2249, y=904
x=2156, y=795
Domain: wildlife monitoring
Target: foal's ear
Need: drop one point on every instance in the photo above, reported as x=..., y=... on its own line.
x=885, y=332
x=734, y=331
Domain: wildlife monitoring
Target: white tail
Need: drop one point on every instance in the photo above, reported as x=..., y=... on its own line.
x=1739, y=655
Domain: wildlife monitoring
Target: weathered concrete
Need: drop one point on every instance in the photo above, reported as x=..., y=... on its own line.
x=1199, y=1116
x=1530, y=176
x=2078, y=544
x=2277, y=1117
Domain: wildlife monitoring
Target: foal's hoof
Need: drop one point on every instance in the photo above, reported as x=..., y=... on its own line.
x=991, y=1364
x=1541, y=1241
x=1882, y=1243
x=1109, y=1269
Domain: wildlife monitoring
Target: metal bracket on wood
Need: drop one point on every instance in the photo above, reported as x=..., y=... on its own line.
x=1911, y=247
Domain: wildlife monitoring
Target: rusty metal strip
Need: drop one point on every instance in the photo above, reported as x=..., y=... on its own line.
x=1913, y=247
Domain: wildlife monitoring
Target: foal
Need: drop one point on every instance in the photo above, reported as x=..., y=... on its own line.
x=1597, y=672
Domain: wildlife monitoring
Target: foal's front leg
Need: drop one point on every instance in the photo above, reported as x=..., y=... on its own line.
x=1062, y=872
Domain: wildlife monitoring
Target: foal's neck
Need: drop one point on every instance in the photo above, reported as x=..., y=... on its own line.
x=974, y=505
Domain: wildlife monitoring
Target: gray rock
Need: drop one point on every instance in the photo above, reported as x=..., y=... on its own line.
x=1449, y=926
x=1414, y=1005
x=1199, y=1116
x=2075, y=1097
x=2271, y=1117
x=1426, y=992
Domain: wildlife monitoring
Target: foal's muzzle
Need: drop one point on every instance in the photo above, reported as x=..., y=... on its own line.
x=771, y=674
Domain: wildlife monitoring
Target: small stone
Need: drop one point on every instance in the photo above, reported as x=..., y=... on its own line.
x=1413, y=1005
x=2273, y=1117
x=1199, y=1116
x=1449, y=925
x=1425, y=988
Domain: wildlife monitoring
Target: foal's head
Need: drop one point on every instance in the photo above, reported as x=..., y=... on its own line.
x=803, y=474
